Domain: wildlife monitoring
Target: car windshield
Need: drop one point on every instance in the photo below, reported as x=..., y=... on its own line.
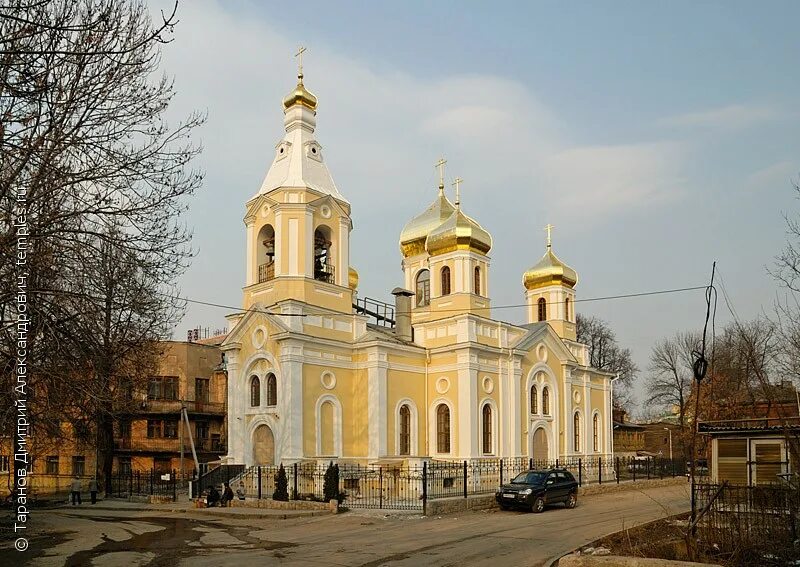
x=530, y=478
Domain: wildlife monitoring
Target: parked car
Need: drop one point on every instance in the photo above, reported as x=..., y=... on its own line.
x=535, y=489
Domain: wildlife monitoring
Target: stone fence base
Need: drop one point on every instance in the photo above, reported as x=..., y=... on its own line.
x=486, y=501
x=332, y=506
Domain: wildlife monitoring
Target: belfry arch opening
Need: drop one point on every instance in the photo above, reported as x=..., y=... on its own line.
x=323, y=262
x=266, y=253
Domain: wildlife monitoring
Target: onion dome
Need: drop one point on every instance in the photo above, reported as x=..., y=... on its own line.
x=300, y=95
x=352, y=278
x=413, y=235
x=550, y=271
x=458, y=232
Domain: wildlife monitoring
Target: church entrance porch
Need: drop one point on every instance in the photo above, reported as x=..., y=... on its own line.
x=263, y=446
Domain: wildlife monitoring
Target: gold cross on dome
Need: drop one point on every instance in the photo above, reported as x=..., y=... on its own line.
x=457, y=184
x=549, y=229
x=299, y=56
x=440, y=166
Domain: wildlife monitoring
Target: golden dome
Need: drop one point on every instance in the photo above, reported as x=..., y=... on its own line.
x=550, y=271
x=300, y=95
x=352, y=278
x=458, y=232
x=413, y=235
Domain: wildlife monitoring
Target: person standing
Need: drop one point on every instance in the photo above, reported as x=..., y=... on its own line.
x=93, y=490
x=76, y=490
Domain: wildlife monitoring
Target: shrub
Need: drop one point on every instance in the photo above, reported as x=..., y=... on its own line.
x=330, y=489
x=281, y=485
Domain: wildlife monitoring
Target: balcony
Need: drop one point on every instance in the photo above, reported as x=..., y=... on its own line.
x=206, y=408
x=192, y=407
x=169, y=445
x=324, y=273
x=266, y=272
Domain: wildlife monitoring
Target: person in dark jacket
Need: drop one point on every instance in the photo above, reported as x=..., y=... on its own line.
x=93, y=490
x=213, y=497
x=75, y=488
x=227, y=495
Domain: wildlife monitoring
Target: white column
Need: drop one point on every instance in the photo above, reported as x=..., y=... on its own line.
x=252, y=258
x=280, y=266
x=236, y=394
x=291, y=442
x=510, y=395
x=468, y=421
x=376, y=393
x=344, y=253
x=308, y=246
x=588, y=447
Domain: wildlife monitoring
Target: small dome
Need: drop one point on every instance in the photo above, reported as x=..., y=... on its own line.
x=413, y=235
x=550, y=271
x=352, y=278
x=300, y=95
x=458, y=232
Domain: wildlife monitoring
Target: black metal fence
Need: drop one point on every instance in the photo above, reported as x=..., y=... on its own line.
x=409, y=487
x=756, y=525
x=145, y=483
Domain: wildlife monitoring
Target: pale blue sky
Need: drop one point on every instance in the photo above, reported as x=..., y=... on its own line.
x=656, y=137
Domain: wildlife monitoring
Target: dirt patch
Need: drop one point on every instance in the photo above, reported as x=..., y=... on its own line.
x=666, y=539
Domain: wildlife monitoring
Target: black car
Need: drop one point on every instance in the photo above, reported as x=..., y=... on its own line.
x=535, y=489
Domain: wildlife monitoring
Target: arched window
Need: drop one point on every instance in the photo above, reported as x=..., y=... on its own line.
x=534, y=399
x=596, y=433
x=255, y=392
x=487, y=429
x=272, y=390
x=477, y=283
x=576, y=432
x=423, y=288
x=405, y=430
x=323, y=265
x=546, y=401
x=542, y=309
x=566, y=309
x=445, y=281
x=442, y=429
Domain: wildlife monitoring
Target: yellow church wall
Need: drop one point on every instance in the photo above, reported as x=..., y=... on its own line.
x=359, y=419
x=401, y=385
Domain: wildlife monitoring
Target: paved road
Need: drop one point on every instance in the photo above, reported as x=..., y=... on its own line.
x=79, y=538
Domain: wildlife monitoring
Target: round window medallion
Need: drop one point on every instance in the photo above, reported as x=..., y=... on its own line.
x=442, y=385
x=325, y=211
x=264, y=210
x=541, y=353
x=488, y=384
x=576, y=395
x=259, y=337
x=328, y=380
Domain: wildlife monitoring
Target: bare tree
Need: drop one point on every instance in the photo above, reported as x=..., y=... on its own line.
x=104, y=180
x=606, y=354
x=670, y=378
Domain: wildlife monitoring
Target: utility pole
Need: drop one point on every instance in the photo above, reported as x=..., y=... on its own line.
x=668, y=430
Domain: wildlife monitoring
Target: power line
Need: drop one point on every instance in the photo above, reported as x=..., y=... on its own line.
x=511, y=306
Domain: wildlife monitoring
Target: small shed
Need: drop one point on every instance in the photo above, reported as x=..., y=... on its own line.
x=748, y=452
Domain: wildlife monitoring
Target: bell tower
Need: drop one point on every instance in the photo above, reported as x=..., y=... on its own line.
x=298, y=224
x=550, y=292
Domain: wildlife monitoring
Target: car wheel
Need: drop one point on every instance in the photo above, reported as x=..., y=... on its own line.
x=538, y=505
x=572, y=500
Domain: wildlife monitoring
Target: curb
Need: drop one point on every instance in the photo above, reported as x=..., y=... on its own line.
x=256, y=516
